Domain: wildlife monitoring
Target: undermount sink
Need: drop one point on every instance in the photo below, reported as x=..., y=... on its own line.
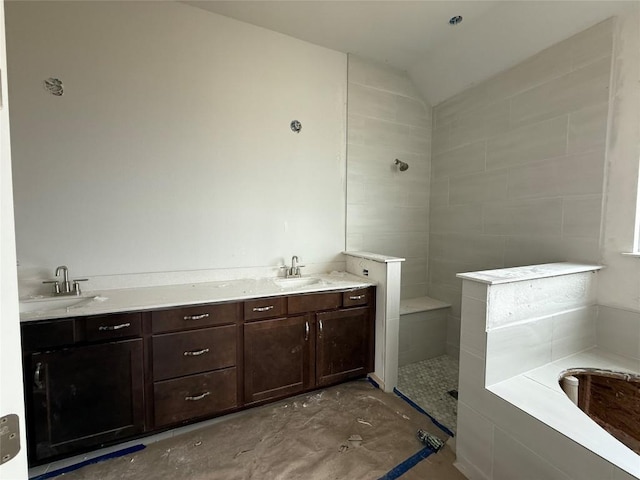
x=289, y=283
x=45, y=304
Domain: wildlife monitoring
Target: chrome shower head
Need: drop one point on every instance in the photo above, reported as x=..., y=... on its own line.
x=401, y=165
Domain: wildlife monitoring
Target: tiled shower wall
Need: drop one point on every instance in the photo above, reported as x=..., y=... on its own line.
x=518, y=167
x=388, y=210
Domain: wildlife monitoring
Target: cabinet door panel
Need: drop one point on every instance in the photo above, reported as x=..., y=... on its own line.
x=195, y=351
x=85, y=396
x=343, y=345
x=276, y=358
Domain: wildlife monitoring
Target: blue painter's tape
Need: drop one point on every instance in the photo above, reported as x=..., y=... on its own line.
x=373, y=382
x=101, y=458
x=421, y=410
x=408, y=464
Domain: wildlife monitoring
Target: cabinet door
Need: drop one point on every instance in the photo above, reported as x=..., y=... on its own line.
x=276, y=358
x=85, y=396
x=343, y=345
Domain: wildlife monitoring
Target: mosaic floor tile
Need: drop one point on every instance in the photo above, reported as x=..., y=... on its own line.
x=428, y=382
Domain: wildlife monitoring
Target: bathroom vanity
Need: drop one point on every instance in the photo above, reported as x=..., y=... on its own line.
x=98, y=379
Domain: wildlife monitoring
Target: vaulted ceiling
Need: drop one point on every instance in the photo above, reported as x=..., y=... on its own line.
x=416, y=36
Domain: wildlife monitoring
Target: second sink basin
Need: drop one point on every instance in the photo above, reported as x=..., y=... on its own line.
x=45, y=304
x=290, y=283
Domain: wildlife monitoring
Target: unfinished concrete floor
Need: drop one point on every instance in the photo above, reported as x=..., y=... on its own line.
x=305, y=437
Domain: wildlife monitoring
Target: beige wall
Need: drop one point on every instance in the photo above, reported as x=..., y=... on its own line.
x=387, y=210
x=171, y=148
x=518, y=166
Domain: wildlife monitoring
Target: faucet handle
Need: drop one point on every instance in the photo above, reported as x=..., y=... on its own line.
x=76, y=285
x=56, y=286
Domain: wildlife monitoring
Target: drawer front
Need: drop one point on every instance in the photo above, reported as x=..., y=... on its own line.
x=194, y=317
x=357, y=297
x=195, y=351
x=53, y=333
x=265, y=308
x=105, y=327
x=194, y=396
x=314, y=302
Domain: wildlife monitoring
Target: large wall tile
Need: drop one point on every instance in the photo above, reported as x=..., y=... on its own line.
x=382, y=77
x=526, y=217
x=488, y=250
x=573, y=91
x=475, y=439
x=480, y=123
x=513, y=460
x=528, y=144
x=460, y=161
x=439, y=192
x=578, y=174
x=573, y=331
x=582, y=216
x=480, y=187
x=588, y=128
x=592, y=44
x=517, y=348
x=618, y=331
x=457, y=218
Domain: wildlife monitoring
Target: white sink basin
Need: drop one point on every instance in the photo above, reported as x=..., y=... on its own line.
x=45, y=304
x=290, y=283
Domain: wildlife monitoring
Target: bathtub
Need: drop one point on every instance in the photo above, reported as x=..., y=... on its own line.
x=609, y=398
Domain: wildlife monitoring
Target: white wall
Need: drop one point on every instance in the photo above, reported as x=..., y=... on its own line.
x=388, y=210
x=171, y=148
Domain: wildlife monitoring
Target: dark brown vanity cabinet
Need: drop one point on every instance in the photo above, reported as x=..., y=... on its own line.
x=94, y=381
x=83, y=382
x=321, y=339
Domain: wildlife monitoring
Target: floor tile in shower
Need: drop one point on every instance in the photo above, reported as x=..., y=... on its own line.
x=430, y=384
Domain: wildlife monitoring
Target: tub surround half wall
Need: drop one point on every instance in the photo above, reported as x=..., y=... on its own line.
x=521, y=328
x=385, y=271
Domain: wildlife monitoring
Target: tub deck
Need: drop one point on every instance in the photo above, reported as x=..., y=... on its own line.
x=538, y=393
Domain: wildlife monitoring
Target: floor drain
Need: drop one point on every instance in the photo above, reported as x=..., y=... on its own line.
x=453, y=393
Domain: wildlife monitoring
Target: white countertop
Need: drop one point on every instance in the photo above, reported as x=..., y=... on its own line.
x=528, y=272
x=538, y=393
x=151, y=298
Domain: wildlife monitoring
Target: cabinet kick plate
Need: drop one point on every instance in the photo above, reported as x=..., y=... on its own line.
x=9, y=437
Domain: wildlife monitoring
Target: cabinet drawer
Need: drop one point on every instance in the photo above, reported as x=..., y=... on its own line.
x=353, y=298
x=195, y=351
x=194, y=317
x=41, y=335
x=105, y=327
x=194, y=396
x=265, y=308
x=314, y=302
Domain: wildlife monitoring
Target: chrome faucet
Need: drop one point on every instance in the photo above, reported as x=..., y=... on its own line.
x=294, y=270
x=66, y=284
